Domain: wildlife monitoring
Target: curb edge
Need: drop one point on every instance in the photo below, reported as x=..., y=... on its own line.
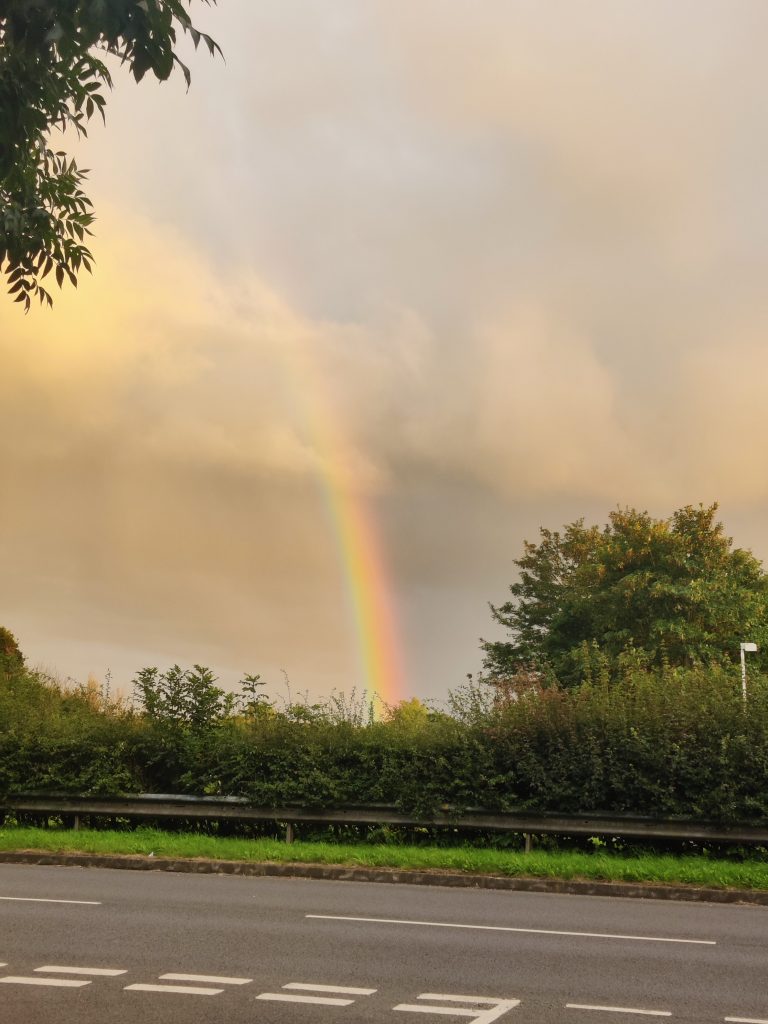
x=342, y=873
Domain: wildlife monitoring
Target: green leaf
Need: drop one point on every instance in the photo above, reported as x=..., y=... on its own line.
x=44, y=207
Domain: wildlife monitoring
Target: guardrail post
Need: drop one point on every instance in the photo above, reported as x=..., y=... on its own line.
x=76, y=823
x=289, y=832
x=528, y=841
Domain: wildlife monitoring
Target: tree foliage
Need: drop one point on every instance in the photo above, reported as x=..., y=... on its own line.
x=52, y=76
x=184, y=698
x=11, y=658
x=667, y=591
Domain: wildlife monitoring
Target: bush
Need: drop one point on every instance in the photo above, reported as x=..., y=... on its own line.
x=659, y=743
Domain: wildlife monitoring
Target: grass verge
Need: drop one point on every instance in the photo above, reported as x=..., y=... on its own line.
x=665, y=869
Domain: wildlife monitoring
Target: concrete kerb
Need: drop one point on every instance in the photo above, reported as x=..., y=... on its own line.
x=342, y=873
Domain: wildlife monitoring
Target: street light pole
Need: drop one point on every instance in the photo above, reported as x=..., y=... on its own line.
x=744, y=648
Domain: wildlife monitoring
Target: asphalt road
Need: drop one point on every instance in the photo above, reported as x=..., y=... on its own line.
x=128, y=947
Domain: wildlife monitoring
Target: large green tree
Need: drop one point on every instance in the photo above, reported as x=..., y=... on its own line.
x=673, y=590
x=52, y=76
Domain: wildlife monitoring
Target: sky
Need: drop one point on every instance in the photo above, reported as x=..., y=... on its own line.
x=390, y=287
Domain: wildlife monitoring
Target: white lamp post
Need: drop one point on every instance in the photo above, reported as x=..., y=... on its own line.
x=744, y=648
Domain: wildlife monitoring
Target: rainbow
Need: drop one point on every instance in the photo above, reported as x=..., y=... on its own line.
x=369, y=589
x=351, y=519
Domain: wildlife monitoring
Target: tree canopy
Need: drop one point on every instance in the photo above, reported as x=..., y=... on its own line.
x=11, y=658
x=675, y=591
x=52, y=76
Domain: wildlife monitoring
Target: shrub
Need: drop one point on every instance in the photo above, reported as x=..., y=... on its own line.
x=656, y=742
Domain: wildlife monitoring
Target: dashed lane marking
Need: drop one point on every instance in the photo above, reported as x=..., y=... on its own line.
x=96, y=972
x=186, y=990
x=318, y=1000
x=504, y=928
x=746, y=1020
x=619, y=1009
x=454, y=1011
x=36, y=899
x=491, y=1000
x=331, y=988
x=285, y=997
x=212, y=979
x=52, y=982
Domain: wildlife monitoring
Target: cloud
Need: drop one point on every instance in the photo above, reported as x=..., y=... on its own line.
x=494, y=266
x=164, y=493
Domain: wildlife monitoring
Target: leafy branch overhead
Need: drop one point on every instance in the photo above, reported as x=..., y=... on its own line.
x=52, y=76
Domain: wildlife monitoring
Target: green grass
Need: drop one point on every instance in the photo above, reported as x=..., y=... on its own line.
x=652, y=868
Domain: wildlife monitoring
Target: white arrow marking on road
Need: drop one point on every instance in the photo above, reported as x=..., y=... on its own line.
x=212, y=978
x=618, y=1009
x=35, y=899
x=496, y=1009
x=53, y=982
x=503, y=928
x=186, y=990
x=95, y=971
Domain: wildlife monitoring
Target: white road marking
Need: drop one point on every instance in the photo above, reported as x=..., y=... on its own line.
x=284, y=997
x=3, y=965
x=187, y=990
x=102, y=972
x=746, y=1020
x=460, y=999
x=211, y=978
x=481, y=1015
x=55, y=982
x=34, y=899
x=618, y=1009
x=455, y=1011
x=503, y=928
x=331, y=988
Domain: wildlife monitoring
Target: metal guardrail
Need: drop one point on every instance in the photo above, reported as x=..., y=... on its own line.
x=162, y=805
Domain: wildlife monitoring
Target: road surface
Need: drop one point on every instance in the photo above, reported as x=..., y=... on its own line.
x=95, y=946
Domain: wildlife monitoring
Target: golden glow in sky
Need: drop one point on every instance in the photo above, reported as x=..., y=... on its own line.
x=451, y=270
